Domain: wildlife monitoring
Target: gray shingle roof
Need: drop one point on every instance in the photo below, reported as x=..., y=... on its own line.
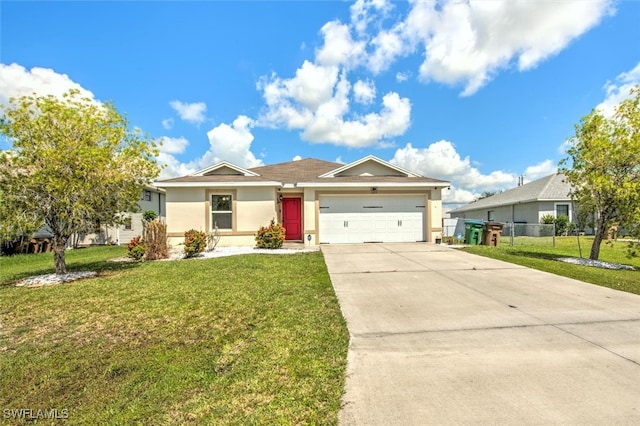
x=307, y=170
x=553, y=187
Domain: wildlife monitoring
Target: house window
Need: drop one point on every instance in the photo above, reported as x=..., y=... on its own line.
x=490, y=215
x=127, y=224
x=146, y=195
x=562, y=210
x=221, y=211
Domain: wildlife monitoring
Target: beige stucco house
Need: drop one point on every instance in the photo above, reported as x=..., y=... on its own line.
x=316, y=201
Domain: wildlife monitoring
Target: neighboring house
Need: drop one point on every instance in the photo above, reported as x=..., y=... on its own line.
x=523, y=204
x=316, y=201
x=151, y=198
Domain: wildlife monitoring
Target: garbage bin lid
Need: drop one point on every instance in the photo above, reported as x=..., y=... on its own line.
x=474, y=222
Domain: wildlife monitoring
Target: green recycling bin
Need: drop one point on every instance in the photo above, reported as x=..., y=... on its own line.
x=473, y=231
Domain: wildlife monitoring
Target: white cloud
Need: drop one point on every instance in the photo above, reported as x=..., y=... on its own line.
x=402, y=76
x=455, y=195
x=16, y=81
x=296, y=158
x=364, y=92
x=542, y=169
x=172, y=167
x=339, y=48
x=441, y=160
x=388, y=45
x=172, y=145
x=470, y=42
x=366, y=12
x=193, y=113
x=328, y=124
x=167, y=123
x=231, y=143
x=618, y=90
x=317, y=102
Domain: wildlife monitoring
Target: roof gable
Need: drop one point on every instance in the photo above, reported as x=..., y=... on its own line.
x=369, y=166
x=224, y=168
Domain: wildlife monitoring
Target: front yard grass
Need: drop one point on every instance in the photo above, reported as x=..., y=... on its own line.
x=543, y=257
x=254, y=339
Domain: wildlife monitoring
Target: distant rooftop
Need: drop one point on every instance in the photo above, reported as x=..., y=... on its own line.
x=549, y=188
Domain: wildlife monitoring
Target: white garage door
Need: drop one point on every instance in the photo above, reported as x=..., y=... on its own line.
x=372, y=218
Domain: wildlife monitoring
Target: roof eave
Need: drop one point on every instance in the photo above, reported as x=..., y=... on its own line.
x=216, y=184
x=370, y=184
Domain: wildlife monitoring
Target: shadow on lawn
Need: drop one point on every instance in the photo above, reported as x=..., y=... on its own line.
x=535, y=255
x=102, y=267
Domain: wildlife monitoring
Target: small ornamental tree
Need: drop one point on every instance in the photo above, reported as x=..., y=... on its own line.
x=603, y=168
x=270, y=237
x=72, y=162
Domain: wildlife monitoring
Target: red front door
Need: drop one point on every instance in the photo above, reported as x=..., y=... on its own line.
x=292, y=218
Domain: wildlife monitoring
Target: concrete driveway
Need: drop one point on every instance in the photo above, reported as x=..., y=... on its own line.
x=439, y=336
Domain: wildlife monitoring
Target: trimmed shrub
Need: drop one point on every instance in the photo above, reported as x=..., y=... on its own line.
x=194, y=242
x=136, y=248
x=270, y=237
x=156, y=240
x=547, y=219
x=149, y=215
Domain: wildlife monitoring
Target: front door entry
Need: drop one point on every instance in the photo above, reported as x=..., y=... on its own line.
x=292, y=218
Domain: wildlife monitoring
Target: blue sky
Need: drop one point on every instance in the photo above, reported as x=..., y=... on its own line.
x=474, y=92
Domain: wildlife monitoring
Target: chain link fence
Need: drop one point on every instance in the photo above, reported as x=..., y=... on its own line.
x=529, y=234
x=512, y=233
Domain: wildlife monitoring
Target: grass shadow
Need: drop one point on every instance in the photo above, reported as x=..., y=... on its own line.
x=535, y=254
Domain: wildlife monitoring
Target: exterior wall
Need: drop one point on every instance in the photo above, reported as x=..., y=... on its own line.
x=525, y=213
x=186, y=209
x=255, y=207
x=119, y=234
x=190, y=208
x=434, y=215
x=310, y=216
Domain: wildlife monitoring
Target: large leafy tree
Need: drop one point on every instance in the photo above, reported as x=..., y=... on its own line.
x=603, y=168
x=72, y=162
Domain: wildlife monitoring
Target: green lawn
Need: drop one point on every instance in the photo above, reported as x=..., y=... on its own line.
x=254, y=339
x=539, y=255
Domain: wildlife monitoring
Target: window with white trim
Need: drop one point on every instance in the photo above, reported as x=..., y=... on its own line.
x=221, y=211
x=490, y=215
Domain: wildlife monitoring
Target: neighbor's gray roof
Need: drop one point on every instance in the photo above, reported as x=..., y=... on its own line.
x=307, y=170
x=549, y=188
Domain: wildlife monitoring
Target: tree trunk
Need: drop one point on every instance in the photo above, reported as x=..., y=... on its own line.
x=59, y=244
x=597, y=238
